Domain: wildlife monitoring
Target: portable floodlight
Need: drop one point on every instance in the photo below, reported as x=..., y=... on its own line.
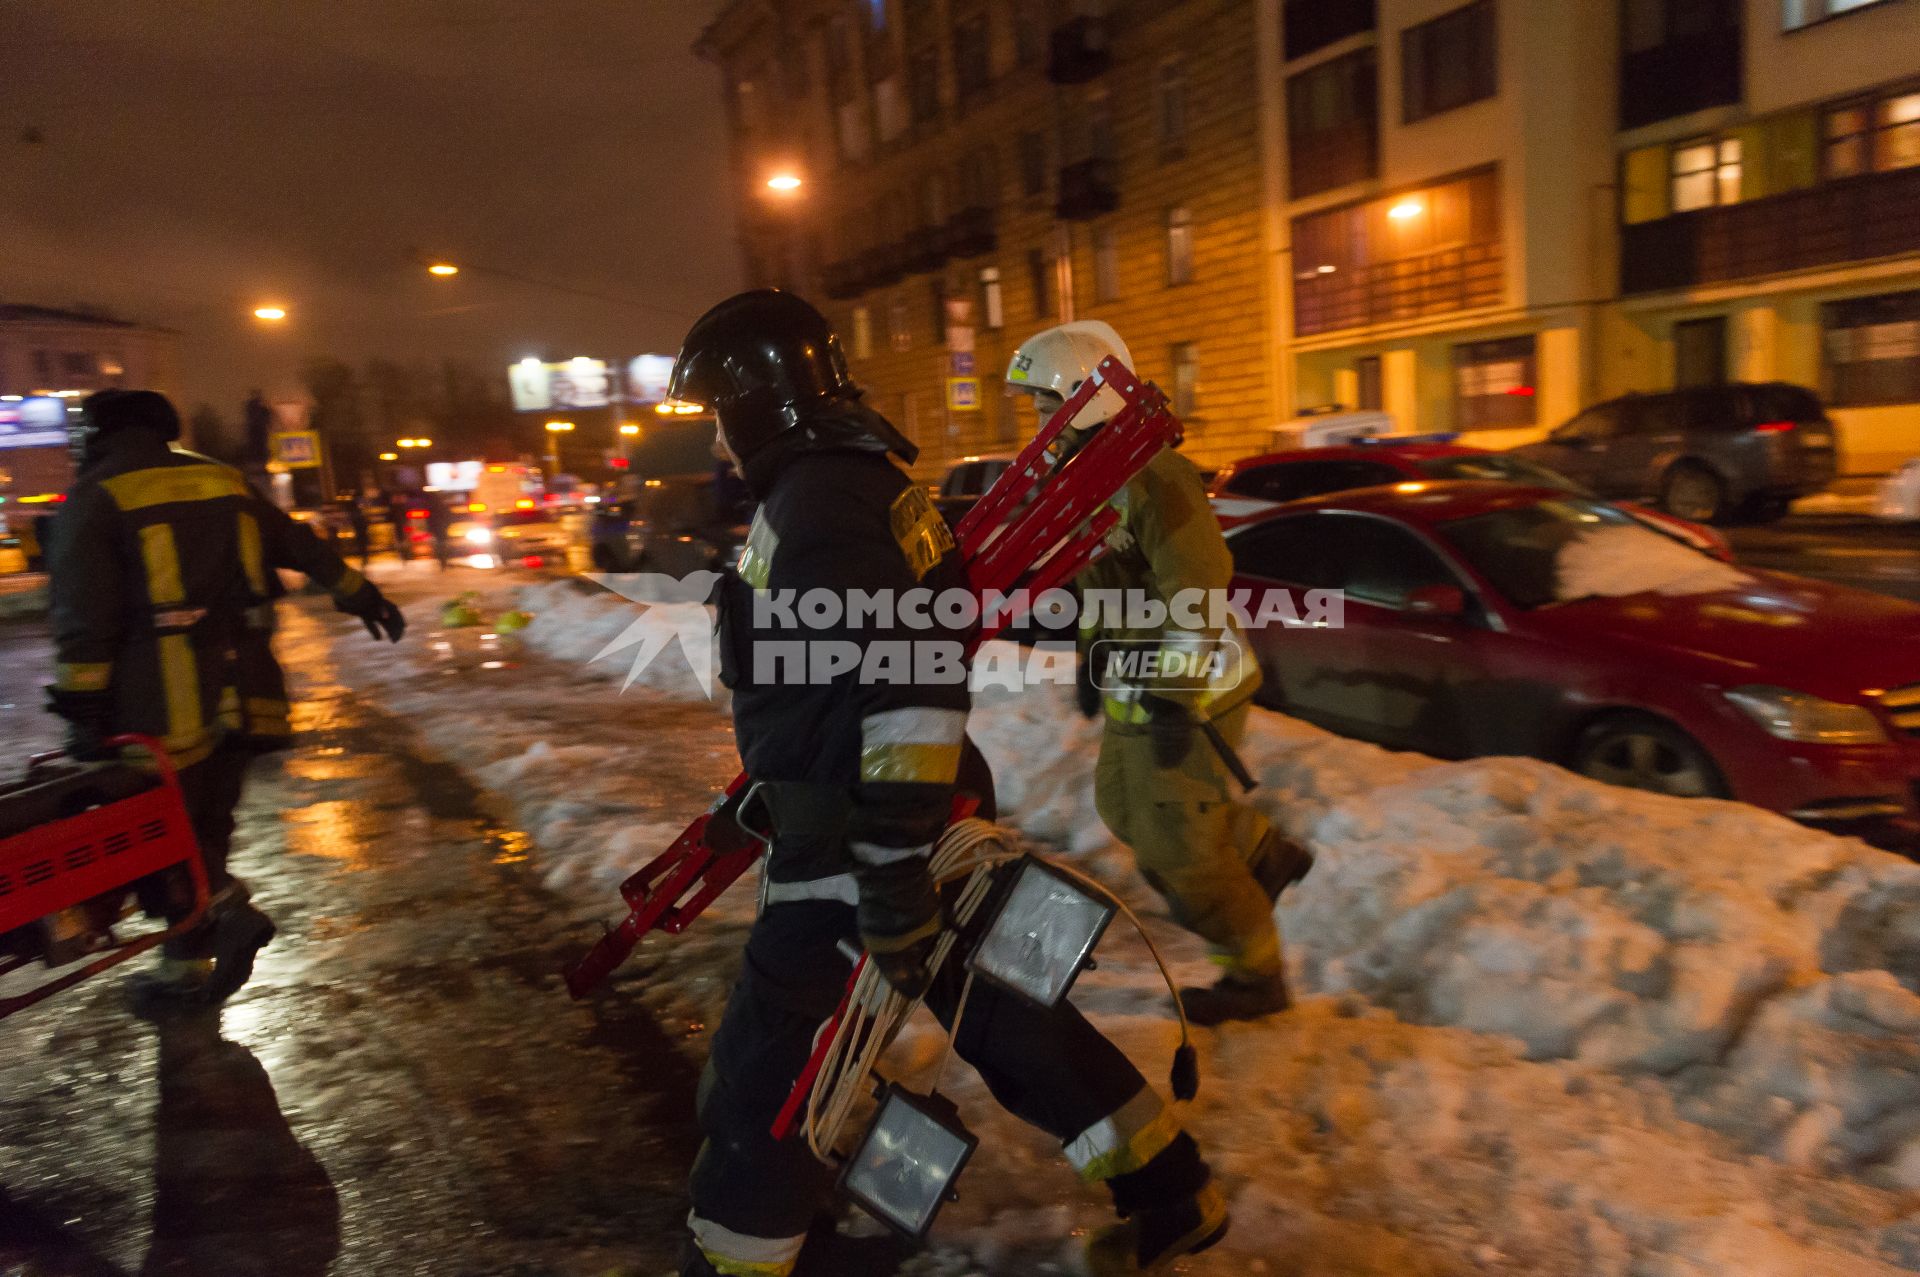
x=903, y=1171
x=1042, y=935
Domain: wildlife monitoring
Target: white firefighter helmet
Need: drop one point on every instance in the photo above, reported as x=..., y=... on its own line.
x=1050, y=366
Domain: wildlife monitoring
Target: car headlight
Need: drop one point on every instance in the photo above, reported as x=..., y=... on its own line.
x=1799, y=716
x=480, y=536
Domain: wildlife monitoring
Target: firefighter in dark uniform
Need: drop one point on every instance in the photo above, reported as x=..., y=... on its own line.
x=162, y=574
x=858, y=780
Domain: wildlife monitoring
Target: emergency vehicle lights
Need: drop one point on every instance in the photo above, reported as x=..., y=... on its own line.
x=524, y=503
x=480, y=536
x=904, y=1168
x=1043, y=934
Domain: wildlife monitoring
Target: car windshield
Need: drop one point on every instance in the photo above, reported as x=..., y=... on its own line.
x=1498, y=466
x=1560, y=550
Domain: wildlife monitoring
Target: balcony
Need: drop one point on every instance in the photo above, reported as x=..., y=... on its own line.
x=844, y=280
x=1078, y=51
x=1854, y=220
x=971, y=232
x=885, y=265
x=1437, y=283
x=1314, y=24
x=924, y=250
x=1088, y=189
x=1681, y=76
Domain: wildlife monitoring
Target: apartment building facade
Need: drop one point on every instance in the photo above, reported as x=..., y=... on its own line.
x=975, y=170
x=1480, y=216
x=1770, y=207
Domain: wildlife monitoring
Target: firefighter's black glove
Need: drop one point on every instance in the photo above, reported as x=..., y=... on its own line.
x=89, y=718
x=900, y=921
x=376, y=611
x=1172, y=728
x=1086, y=693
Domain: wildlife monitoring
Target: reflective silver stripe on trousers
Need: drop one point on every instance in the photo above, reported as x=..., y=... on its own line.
x=840, y=887
x=716, y=1240
x=1111, y=1134
x=914, y=725
x=872, y=853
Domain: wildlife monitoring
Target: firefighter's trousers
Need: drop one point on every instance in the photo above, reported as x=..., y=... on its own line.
x=1193, y=839
x=754, y=1197
x=211, y=789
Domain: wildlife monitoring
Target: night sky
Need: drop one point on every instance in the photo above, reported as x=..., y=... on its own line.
x=201, y=157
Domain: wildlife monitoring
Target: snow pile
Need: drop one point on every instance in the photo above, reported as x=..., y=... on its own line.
x=1557, y=1021
x=1622, y=559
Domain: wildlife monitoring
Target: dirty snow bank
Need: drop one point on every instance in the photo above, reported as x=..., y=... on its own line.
x=1530, y=983
x=1616, y=561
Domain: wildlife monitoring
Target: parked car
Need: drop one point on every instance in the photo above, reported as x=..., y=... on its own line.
x=1740, y=451
x=676, y=524
x=512, y=535
x=967, y=480
x=1312, y=472
x=1491, y=619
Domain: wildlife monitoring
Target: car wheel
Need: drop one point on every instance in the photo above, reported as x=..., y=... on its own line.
x=1691, y=491
x=1767, y=509
x=1639, y=751
x=603, y=559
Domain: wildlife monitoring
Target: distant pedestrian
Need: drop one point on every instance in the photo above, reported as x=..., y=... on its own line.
x=397, y=516
x=357, y=520
x=439, y=527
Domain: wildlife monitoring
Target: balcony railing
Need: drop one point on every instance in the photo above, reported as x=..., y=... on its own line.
x=1078, y=51
x=924, y=250
x=1315, y=24
x=1437, y=283
x=844, y=280
x=1088, y=189
x=885, y=265
x=1853, y=220
x=971, y=232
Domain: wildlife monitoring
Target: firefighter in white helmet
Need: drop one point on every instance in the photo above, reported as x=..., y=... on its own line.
x=1160, y=785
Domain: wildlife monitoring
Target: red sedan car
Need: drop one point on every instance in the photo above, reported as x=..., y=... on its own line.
x=1313, y=472
x=1498, y=619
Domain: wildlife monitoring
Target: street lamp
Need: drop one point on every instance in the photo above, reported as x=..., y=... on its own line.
x=785, y=183
x=554, y=430
x=1407, y=209
x=630, y=428
x=270, y=314
x=389, y=456
x=445, y=270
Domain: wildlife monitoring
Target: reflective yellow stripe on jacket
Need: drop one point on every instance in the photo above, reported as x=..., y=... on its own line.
x=179, y=672
x=166, y=485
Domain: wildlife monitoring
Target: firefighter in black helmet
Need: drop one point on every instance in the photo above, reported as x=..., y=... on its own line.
x=162, y=575
x=858, y=779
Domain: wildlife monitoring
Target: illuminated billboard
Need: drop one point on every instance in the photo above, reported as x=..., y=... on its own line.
x=577, y=383
x=39, y=421
x=647, y=378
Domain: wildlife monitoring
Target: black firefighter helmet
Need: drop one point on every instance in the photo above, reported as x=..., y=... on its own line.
x=764, y=362
x=109, y=412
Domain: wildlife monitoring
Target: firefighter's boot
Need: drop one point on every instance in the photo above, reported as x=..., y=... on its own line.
x=1237, y=996
x=1278, y=863
x=1170, y=1208
x=239, y=932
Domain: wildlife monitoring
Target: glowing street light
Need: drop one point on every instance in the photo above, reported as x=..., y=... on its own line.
x=389, y=456
x=554, y=430
x=785, y=183
x=629, y=428
x=270, y=314
x=559, y=427
x=1406, y=210
x=445, y=270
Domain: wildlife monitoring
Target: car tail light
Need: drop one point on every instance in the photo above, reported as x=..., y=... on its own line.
x=416, y=514
x=1773, y=427
x=523, y=504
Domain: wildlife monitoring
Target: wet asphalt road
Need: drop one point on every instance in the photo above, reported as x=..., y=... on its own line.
x=1862, y=553
x=403, y=1088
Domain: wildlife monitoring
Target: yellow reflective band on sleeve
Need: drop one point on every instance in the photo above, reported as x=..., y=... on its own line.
x=162, y=561
x=167, y=485
x=756, y=560
x=349, y=584
x=921, y=764
x=740, y=1255
x=923, y=535
x=250, y=557
x=180, y=677
x=83, y=676
x=1126, y=1141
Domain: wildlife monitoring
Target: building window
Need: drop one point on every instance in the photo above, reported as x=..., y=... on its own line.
x=899, y=323
x=1040, y=282
x=1369, y=396
x=1033, y=164
x=1315, y=24
x=923, y=77
x=1700, y=352
x=992, y=306
x=1795, y=14
x=1106, y=263
x=1171, y=115
x=1449, y=62
x=1432, y=251
x=1706, y=173
x=937, y=299
x=1494, y=384
x=1872, y=137
x=1333, y=124
x=890, y=108
x=972, y=61
x=862, y=333
x=1677, y=57
x=1186, y=379
x=1873, y=350
x=1179, y=246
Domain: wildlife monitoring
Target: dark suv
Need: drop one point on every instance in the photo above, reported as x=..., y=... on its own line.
x=1741, y=451
x=677, y=524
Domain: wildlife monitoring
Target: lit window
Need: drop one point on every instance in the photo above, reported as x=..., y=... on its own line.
x=899, y=324
x=1706, y=173
x=1897, y=143
x=1494, y=383
x=1873, y=350
x=992, y=307
x=1872, y=137
x=1179, y=246
x=862, y=333
x=1186, y=379
x=1727, y=175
